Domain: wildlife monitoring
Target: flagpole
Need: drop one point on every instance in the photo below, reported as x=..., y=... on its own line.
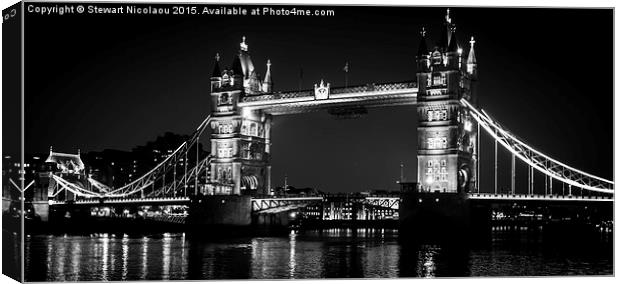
x=346, y=74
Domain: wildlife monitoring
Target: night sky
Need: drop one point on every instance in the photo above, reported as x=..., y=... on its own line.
x=113, y=82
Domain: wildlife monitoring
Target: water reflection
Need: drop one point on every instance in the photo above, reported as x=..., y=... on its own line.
x=166, y=257
x=104, y=255
x=125, y=249
x=331, y=253
x=426, y=265
x=145, y=249
x=75, y=262
x=291, y=258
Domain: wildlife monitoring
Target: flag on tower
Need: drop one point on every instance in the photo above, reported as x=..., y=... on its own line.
x=346, y=74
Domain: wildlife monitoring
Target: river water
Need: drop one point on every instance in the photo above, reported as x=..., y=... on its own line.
x=328, y=253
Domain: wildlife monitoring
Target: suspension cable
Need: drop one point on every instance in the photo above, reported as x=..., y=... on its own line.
x=492, y=128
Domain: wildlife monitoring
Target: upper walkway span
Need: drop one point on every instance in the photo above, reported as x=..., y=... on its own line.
x=369, y=95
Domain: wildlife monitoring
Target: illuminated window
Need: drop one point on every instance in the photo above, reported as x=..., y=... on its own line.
x=437, y=142
x=436, y=57
x=253, y=130
x=224, y=152
x=436, y=171
x=224, y=99
x=245, y=151
x=436, y=79
x=225, y=128
x=439, y=79
x=440, y=114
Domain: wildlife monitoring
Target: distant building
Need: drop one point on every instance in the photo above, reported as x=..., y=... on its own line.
x=113, y=168
x=348, y=207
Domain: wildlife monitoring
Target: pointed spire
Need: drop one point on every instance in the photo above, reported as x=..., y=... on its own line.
x=78, y=152
x=268, y=73
x=247, y=66
x=471, y=58
x=51, y=150
x=267, y=82
x=446, y=35
x=243, y=45
x=216, y=69
x=422, y=48
x=452, y=47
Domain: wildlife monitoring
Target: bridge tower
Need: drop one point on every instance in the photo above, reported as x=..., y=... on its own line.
x=240, y=138
x=447, y=134
x=439, y=208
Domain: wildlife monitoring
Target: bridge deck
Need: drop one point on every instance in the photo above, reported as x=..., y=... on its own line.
x=369, y=95
x=541, y=197
x=391, y=201
x=125, y=201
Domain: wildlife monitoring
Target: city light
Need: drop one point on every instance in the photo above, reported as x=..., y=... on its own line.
x=429, y=179
x=468, y=126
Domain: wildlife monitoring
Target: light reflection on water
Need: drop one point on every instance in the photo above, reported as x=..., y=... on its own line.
x=330, y=253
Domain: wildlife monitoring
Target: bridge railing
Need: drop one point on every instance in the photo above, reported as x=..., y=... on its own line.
x=507, y=196
x=336, y=90
x=120, y=200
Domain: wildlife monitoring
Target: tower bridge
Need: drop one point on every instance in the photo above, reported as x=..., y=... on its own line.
x=242, y=106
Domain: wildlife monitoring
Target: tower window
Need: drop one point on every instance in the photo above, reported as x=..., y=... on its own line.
x=436, y=58
x=225, y=128
x=440, y=114
x=253, y=130
x=437, y=143
x=436, y=171
x=224, y=152
x=439, y=79
x=224, y=99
